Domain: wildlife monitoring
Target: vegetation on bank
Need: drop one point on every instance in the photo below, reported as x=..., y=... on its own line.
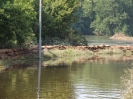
x=63, y=23
x=72, y=53
x=68, y=56
x=63, y=19
x=60, y=51
x=127, y=84
x=19, y=22
x=105, y=17
x=67, y=53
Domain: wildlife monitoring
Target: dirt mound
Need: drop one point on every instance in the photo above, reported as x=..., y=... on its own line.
x=121, y=36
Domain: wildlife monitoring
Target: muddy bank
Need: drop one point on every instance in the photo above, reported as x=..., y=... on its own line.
x=121, y=36
x=16, y=53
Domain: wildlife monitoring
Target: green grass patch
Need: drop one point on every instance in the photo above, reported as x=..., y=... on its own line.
x=110, y=51
x=72, y=53
x=67, y=53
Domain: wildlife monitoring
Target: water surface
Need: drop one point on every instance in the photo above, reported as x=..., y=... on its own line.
x=92, y=79
x=97, y=40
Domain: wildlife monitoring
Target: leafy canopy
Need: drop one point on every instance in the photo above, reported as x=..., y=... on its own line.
x=16, y=20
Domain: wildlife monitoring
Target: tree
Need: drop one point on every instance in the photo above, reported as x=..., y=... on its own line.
x=16, y=20
x=57, y=17
x=85, y=15
x=19, y=20
x=112, y=16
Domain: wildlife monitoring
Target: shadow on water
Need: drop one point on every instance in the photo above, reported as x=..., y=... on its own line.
x=5, y=67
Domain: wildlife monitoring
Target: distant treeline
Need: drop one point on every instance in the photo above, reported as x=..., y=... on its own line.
x=62, y=20
x=105, y=17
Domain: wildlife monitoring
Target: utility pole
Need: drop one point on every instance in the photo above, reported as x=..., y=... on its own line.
x=40, y=28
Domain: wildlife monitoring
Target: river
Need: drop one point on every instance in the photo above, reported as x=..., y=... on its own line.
x=96, y=78
x=97, y=40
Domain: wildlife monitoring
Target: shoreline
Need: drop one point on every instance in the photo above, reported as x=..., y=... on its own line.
x=121, y=36
x=64, y=51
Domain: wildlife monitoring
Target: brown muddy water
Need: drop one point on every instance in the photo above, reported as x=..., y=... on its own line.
x=90, y=79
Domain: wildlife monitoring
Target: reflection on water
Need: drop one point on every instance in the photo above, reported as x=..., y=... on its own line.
x=95, y=79
x=39, y=78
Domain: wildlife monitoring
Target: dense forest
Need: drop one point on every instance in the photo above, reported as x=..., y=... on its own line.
x=63, y=21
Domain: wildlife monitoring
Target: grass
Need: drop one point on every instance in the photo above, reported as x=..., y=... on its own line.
x=72, y=53
x=110, y=51
x=2, y=68
x=67, y=53
x=67, y=56
x=127, y=84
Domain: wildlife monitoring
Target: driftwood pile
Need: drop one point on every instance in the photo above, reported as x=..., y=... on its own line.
x=92, y=47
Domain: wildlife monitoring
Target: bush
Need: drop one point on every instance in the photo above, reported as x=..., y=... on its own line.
x=77, y=39
x=73, y=38
x=55, y=41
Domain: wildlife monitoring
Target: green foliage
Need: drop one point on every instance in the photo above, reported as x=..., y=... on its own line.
x=73, y=38
x=57, y=16
x=104, y=17
x=19, y=21
x=82, y=25
x=112, y=17
x=77, y=39
x=55, y=41
x=85, y=15
x=15, y=23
